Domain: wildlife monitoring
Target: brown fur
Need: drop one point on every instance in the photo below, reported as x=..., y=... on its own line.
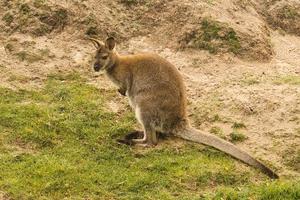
x=156, y=92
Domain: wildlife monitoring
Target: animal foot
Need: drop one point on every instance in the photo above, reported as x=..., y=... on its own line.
x=129, y=138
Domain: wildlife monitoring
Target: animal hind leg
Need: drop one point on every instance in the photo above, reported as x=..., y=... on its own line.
x=149, y=139
x=153, y=139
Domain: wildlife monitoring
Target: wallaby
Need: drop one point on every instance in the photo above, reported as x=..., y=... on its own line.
x=156, y=93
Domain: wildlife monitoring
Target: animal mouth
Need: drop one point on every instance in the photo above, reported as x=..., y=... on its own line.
x=97, y=67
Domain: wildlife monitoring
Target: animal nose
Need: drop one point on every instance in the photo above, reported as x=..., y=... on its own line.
x=96, y=67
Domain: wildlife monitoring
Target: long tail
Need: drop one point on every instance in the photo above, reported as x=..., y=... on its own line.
x=195, y=135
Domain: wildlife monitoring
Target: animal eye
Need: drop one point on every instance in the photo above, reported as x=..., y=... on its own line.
x=104, y=57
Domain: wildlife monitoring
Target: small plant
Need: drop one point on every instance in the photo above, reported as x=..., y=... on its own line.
x=45, y=53
x=8, y=18
x=43, y=29
x=9, y=47
x=237, y=137
x=89, y=20
x=217, y=131
x=25, y=8
x=92, y=31
x=216, y=118
x=131, y=2
x=39, y=3
x=238, y=125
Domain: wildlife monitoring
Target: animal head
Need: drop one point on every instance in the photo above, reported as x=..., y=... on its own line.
x=105, y=56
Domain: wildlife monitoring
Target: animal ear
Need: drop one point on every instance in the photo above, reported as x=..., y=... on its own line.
x=96, y=42
x=110, y=43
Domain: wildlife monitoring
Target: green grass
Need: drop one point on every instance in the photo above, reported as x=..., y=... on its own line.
x=60, y=143
x=92, y=31
x=28, y=56
x=32, y=57
x=131, y=2
x=278, y=190
x=25, y=8
x=291, y=80
x=40, y=3
x=8, y=18
x=286, y=18
x=9, y=47
x=237, y=137
x=214, y=37
x=19, y=78
x=292, y=158
x=238, y=125
x=217, y=131
x=35, y=17
x=289, y=12
x=250, y=81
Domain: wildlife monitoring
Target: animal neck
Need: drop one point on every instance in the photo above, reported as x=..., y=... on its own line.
x=119, y=72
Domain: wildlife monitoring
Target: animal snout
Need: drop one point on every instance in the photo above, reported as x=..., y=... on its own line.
x=97, y=67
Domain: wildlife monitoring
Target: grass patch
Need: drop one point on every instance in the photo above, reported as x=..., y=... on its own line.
x=92, y=31
x=55, y=19
x=291, y=80
x=237, y=137
x=39, y=4
x=278, y=190
x=32, y=57
x=25, y=8
x=250, y=81
x=238, y=125
x=28, y=56
x=46, y=53
x=131, y=2
x=35, y=17
x=74, y=154
x=217, y=131
x=286, y=18
x=214, y=37
x=8, y=18
x=207, y=110
x=9, y=47
x=292, y=158
x=19, y=78
x=288, y=12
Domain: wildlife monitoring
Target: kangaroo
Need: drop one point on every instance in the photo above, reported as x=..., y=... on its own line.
x=156, y=93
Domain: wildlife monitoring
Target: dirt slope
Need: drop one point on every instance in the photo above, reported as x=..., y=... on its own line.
x=240, y=59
